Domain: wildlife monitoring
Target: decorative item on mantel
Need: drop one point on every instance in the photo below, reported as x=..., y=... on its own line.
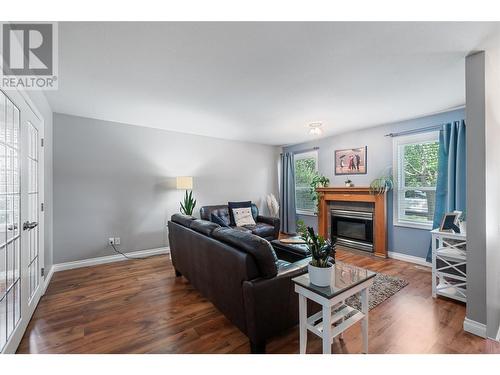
x=189, y=203
x=382, y=184
x=320, y=267
x=348, y=183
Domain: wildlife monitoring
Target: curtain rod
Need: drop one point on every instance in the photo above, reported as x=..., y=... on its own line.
x=415, y=131
x=306, y=150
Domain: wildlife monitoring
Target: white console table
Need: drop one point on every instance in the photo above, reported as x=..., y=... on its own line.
x=449, y=262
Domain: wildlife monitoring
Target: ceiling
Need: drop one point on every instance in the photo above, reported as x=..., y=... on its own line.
x=262, y=82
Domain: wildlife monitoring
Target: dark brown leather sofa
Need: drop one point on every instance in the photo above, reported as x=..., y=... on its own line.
x=265, y=227
x=239, y=273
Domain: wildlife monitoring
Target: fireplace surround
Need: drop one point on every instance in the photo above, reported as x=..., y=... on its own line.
x=366, y=206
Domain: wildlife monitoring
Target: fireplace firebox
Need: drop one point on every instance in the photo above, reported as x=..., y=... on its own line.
x=353, y=228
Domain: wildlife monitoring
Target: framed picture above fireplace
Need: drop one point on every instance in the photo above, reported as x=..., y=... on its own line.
x=350, y=161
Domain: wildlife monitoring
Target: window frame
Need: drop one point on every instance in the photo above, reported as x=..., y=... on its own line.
x=398, y=176
x=313, y=154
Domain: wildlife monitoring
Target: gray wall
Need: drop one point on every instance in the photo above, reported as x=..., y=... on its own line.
x=492, y=117
x=113, y=179
x=483, y=228
x=403, y=240
x=476, y=191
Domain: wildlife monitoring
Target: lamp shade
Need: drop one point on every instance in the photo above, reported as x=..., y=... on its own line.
x=184, y=182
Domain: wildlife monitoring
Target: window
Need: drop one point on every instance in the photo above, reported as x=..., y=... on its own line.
x=306, y=165
x=415, y=172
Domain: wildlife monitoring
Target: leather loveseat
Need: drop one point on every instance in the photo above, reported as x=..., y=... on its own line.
x=265, y=227
x=239, y=273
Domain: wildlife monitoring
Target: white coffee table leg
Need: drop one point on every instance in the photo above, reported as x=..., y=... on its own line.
x=302, y=323
x=341, y=337
x=327, y=330
x=364, y=322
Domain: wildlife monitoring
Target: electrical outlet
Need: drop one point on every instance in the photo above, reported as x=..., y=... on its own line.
x=111, y=241
x=117, y=240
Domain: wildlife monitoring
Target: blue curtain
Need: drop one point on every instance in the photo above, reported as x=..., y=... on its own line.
x=287, y=193
x=451, y=181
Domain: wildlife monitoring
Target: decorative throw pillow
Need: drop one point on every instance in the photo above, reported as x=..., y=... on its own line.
x=232, y=205
x=217, y=220
x=243, y=216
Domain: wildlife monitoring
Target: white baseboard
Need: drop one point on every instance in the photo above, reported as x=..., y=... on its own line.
x=476, y=328
x=409, y=258
x=47, y=279
x=109, y=259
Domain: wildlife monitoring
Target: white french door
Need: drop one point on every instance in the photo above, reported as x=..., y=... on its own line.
x=21, y=220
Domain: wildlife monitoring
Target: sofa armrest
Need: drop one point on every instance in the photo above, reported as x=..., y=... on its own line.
x=274, y=221
x=294, y=269
x=271, y=305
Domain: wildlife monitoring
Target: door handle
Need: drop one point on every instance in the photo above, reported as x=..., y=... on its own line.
x=27, y=225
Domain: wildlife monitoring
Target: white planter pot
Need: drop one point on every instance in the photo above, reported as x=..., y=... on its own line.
x=320, y=276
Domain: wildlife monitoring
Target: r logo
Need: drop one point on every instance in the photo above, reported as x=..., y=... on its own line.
x=27, y=49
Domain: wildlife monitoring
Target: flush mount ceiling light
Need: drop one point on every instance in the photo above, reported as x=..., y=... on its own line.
x=315, y=128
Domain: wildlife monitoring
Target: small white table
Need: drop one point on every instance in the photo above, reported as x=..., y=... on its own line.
x=336, y=316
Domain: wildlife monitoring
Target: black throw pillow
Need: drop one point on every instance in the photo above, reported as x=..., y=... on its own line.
x=217, y=220
x=232, y=205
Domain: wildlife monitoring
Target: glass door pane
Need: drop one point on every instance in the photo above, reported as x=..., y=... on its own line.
x=33, y=191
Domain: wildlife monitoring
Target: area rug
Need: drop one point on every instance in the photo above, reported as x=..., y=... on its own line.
x=384, y=287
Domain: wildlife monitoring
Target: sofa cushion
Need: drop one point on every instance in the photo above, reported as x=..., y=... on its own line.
x=242, y=229
x=243, y=216
x=184, y=220
x=261, y=229
x=220, y=210
x=233, y=205
x=260, y=249
x=218, y=220
x=203, y=226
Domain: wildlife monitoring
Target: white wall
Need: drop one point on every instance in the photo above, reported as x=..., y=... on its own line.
x=113, y=179
x=42, y=105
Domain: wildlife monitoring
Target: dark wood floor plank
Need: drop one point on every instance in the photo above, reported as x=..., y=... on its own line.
x=139, y=306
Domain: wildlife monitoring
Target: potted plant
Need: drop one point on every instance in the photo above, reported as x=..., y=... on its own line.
x=320, y=267
x=348, y=183
x=189, y=203
x=318, y=180
x=381, y=185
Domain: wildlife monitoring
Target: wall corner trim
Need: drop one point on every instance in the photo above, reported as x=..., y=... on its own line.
x=476, y=328
x=108, y=259
x=409, y=258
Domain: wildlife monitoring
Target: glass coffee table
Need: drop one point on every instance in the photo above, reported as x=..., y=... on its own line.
x=335, y=317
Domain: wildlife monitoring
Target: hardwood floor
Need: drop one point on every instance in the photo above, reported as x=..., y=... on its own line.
x=139, y=306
